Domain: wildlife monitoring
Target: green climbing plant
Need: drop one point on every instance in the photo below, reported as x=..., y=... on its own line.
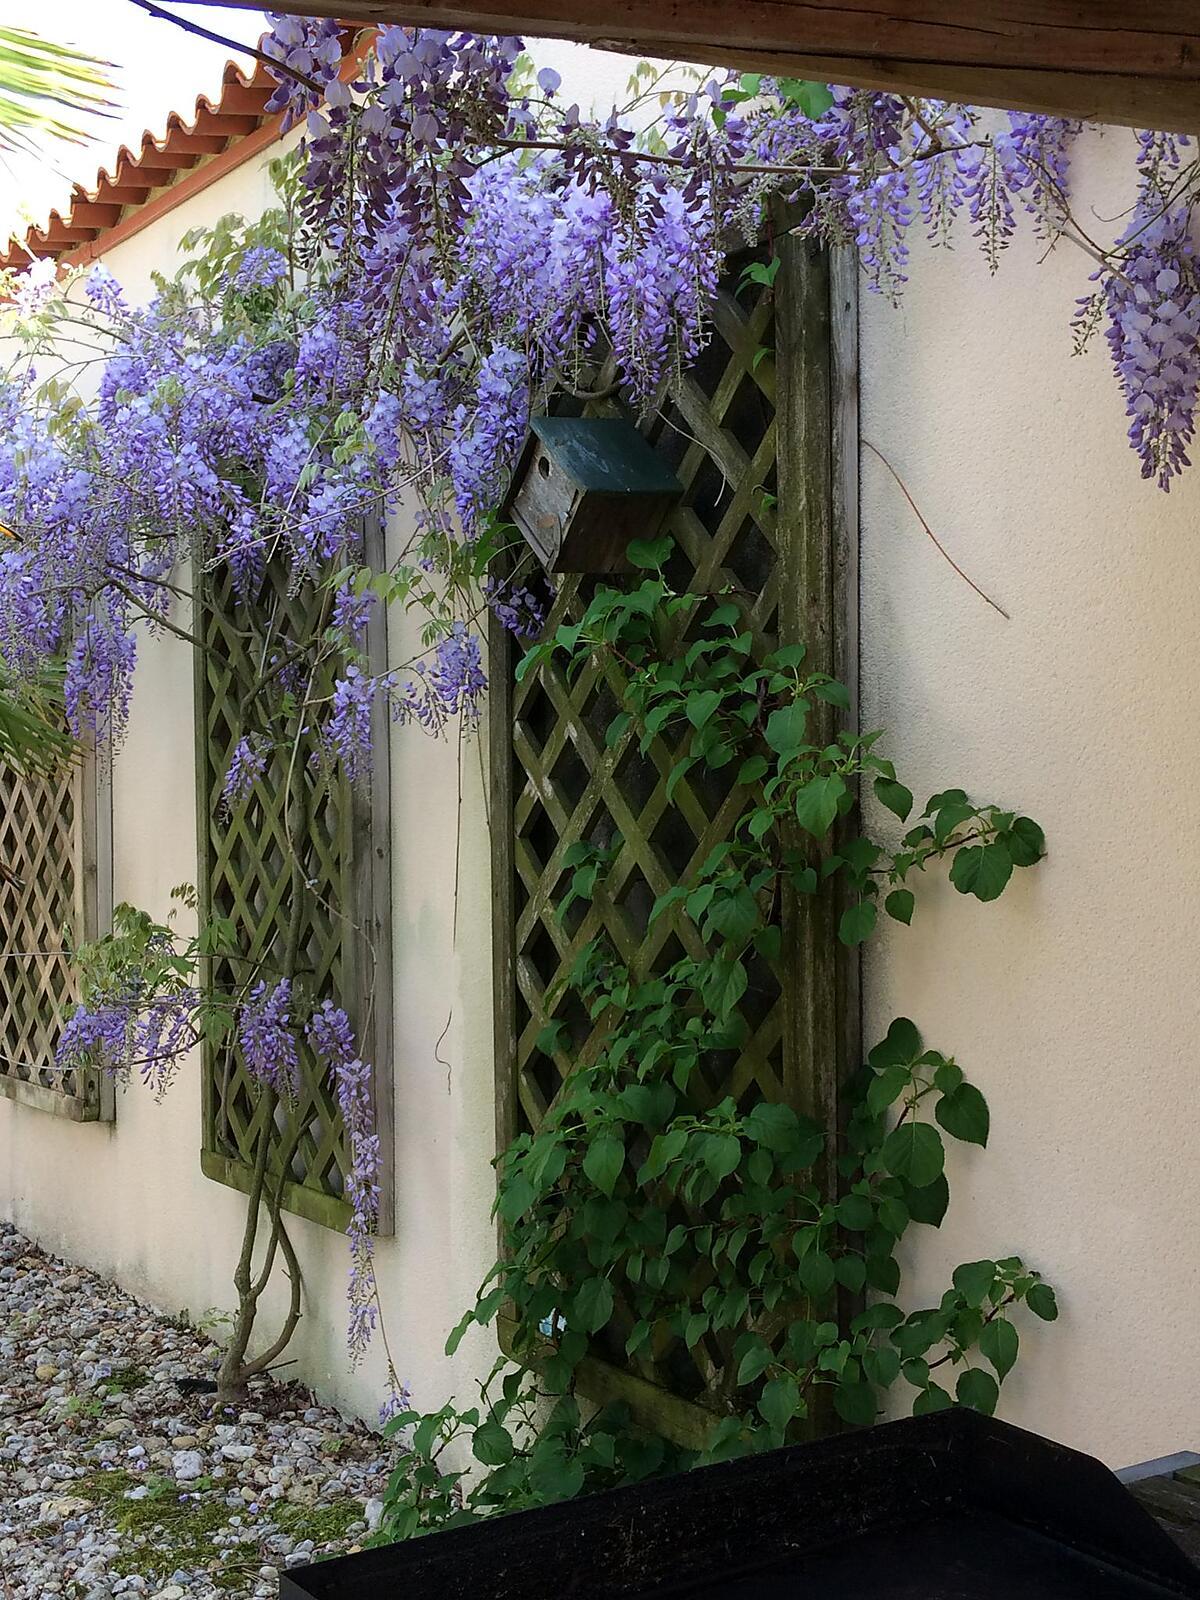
x=763, y=1241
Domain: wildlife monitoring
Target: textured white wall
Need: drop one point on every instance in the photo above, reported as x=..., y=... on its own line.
x=1073, y=1001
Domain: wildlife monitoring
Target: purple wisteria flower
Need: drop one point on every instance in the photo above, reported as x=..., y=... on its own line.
x=268, y=1039
x=347, y=731
x=96, y=1037
x=515, y=606
x=246, y=767
x=1152, y=301
x=311, y=47
x=332, y=1040
x=260, y=268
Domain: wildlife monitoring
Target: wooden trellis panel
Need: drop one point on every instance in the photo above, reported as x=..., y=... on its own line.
x=749, y=432
x=245, y=874
x=55, y=865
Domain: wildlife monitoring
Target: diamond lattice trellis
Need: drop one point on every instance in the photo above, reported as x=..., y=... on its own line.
x=246, y=852
x=51, y=879
x=554, y=782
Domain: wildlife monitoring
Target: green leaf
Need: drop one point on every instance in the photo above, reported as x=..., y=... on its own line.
x=721, y=1154
x=594, y=1303
x=1026, y=842
x=788, y=655
x=701, y=704
x=1042, y=1303
x=883, y=1274
x=882, y=1366
x=816, y=1274
x=900, y=904
x=902, y=1043
x=886, y=1088
x=515, y=1199
x=949, y=816
x=779, y=1402
x=934, y=1398
x=833, y=693
x=964, y=1114
x=735, y=916
x=856, y=1404
x=787, y=727
x=978, y=1390
x=773, y=1125
x=914, y=1151
x=755, y=1362
x=604, y=1162
x=724, y=985
x=974, y=1279
x=491, y=1445
x=649, y=554
x=894, y=796
x=928, y=1204
x=814, y=99
x=1001, y=1344
x=664, y=1149
x=948, y=1077
x=982, y=870
x=855, y=1211
x=455, y=1336
x=851, y=1273
x=858, y=922
x=817, y=804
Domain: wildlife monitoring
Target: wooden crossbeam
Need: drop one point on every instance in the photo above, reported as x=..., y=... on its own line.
x=1106, y=60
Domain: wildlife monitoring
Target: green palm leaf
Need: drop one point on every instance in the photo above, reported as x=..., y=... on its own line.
x=36, y=76
x=33, y=730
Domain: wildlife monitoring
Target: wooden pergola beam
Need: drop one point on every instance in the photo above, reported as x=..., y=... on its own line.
x=1135, y=62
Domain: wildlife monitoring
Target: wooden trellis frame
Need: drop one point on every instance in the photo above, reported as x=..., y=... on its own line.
x=762, y=434
x=244, y=873
x=56, y=847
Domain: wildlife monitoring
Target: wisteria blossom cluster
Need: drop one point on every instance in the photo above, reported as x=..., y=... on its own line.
x=459, y=245
x=332, y=1040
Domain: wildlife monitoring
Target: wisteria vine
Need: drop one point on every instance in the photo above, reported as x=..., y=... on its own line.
x=456, y=244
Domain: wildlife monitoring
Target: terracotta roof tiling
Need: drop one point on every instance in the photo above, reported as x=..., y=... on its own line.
x=239, y=111
x=162, y=173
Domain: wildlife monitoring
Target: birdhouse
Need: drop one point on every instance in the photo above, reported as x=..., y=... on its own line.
x=585, y=488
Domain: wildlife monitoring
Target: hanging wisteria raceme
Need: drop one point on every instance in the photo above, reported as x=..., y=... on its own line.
x=332, y=1040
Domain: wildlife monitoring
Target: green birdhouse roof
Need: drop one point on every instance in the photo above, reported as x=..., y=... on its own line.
x=605, y=455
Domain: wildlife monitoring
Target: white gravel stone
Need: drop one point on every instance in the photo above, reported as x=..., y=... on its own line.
x=188, y=1465
x=89, y=1392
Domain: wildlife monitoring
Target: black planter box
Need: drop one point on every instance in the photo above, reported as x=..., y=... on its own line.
x=945, y=1507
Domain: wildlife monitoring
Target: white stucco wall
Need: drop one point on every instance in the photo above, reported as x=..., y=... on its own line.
x=1070, y=1002
x=1073, y=1001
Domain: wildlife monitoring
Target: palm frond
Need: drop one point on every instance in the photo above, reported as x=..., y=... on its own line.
x=33, y=726
x=37, y=76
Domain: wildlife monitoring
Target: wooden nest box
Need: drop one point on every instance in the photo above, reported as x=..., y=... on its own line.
x=585, y=487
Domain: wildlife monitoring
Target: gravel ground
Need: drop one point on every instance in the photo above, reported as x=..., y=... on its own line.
x=114, y=1481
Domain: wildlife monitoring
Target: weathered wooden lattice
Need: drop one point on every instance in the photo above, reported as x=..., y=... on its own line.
x=748, y=433
x=245, y=874
x=53, y=893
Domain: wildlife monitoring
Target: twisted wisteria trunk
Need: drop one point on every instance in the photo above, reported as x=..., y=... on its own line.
x=237, y=1367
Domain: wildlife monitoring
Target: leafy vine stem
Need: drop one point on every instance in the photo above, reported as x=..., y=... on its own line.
x=649, y=1216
